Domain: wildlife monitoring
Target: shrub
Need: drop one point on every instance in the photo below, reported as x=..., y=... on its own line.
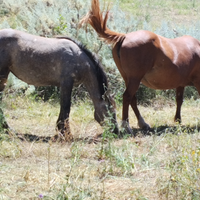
x=59, y=17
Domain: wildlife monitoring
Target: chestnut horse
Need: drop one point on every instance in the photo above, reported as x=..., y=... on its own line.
x=60, y=62
x=143, y=56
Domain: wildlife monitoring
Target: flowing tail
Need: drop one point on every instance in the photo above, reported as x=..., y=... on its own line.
x=95, y=18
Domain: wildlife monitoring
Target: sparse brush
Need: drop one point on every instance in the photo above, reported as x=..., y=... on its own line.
x=50, y=18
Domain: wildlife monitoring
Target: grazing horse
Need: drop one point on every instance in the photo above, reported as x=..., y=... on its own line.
x=143, y=56
x=60, y=62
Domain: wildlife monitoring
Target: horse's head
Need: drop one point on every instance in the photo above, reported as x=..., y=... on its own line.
x=105, y=113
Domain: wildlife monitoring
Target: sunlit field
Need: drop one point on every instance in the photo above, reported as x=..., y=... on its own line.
x=161, y=164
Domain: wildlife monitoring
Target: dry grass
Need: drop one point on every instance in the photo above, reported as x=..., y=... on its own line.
x=181, y=13
x=164, y=165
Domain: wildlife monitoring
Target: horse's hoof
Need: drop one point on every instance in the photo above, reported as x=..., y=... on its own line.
x=146, y=127
x=126, y=131
x=59, y=137
x=69, y=137
x=177, y=120
x=143, y=125
x=126, y=128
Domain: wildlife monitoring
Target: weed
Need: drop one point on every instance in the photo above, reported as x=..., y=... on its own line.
x=59, y=29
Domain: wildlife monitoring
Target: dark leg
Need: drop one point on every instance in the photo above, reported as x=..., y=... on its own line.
x=65, y=103
x=3, y=123
x=128, y=95
x=179, y=101
x=141, y=123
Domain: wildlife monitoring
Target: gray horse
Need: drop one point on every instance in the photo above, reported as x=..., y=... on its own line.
x=60, y=62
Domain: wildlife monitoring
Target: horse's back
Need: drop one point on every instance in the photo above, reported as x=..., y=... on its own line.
x=159, y=62
x=38, y=60
x=143, y=41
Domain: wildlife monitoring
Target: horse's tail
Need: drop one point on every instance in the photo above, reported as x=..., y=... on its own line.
x=95, y=18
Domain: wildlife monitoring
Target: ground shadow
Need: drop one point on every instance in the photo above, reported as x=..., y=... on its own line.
x=164, y=129
x=45, y=139
x=33, y=138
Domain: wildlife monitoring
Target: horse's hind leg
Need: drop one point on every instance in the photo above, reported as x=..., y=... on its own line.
x=65, y=103
x=3, y=79
x=179, y=101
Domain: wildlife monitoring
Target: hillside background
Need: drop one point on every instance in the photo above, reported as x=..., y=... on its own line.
x=49, y=18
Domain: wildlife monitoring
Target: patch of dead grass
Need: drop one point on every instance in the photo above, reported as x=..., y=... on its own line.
x=145, y=167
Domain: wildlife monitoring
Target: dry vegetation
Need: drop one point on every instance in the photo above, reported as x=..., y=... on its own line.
x=155, y=12
x=162, y=165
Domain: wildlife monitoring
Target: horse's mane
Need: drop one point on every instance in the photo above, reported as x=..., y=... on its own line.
x=101, y=76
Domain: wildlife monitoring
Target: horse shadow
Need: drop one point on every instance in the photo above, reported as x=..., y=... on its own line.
x=32, y=137
x=155, y=131
x=166, y=129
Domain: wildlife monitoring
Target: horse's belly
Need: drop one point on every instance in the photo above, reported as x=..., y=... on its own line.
x=166, y=76
x=161, y=82
x=37, y=79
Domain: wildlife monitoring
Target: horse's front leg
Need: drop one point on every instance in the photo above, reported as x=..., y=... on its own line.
x=65, y=103
x=141, y=123
x=128, y=95
x=179, y=101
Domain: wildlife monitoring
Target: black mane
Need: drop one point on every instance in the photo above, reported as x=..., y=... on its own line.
x=101, y=76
